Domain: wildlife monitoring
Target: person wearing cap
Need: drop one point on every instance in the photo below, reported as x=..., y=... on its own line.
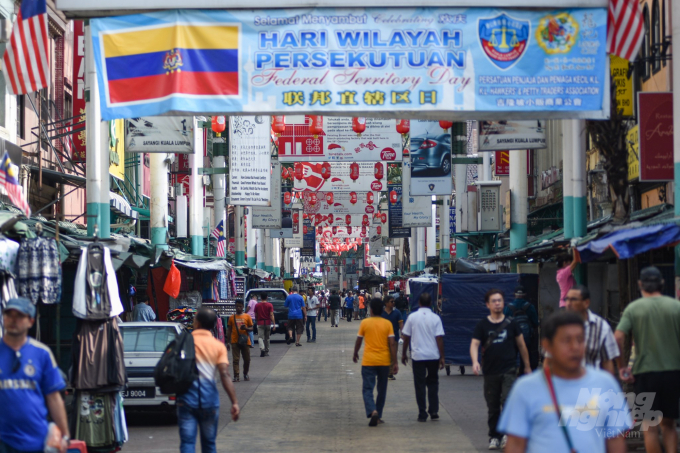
x=30, y=384
x=654, y=323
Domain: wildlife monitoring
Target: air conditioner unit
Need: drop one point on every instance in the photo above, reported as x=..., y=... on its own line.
x=171, y=192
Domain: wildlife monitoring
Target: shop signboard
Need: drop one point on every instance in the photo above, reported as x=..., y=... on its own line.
x=510, y=135
x=655, y=121
x=160, y=134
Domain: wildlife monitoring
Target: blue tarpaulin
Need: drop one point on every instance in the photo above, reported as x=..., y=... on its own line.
x=463, y=307
x=418, y=286
x=630, y=242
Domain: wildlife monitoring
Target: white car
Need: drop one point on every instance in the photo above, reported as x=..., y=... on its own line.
x=143, y=345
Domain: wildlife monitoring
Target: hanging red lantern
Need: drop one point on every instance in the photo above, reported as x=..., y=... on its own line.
x=329, y=197
x=299, y=171
x=348, y=219
x=393, y=197
x=296, y=218
x=354, y=171
x=365, y=221
x=326, y=170
x=219, y=123
x=278, y=124
x=349, y=230
x=359, y=125
x=378, y=229
x=445, y=125
x=316, y=125
x=305, y=216
x=304, y=229
x=369, y=198
x=363, y=230
x=335, y=230
x=383, y=217
x=378, y=170
x=353, y=197
x=330, y=219
x=313, y=198
x=403, y=126
x=319, y=230
x=318, y=218
x=287, y=198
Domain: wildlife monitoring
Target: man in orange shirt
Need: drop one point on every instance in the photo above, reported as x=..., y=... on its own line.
x=379, y=361
x=199, y=407
x=238, y=326
x=362, y=305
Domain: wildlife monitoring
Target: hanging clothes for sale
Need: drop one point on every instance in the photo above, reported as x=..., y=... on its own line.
x=38, y=270
x=184, y=316
x=95, y=421
x=9, y=250
x=95, y=290
x=97, y=356
x=218, y=330
x=224, y=285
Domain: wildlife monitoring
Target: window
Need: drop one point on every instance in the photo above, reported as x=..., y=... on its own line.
x=656, y=38
x=21, y=115
x=645, y=49
x=147, y=339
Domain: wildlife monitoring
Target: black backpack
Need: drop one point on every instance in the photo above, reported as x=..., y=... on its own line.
x=519, y=315
x=176, y=370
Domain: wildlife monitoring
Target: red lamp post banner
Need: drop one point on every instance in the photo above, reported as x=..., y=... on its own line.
x=218, y=125
x=403, y=126
x=359, y=125
x=278, y=124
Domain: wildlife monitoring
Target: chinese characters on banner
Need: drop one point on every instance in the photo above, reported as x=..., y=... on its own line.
x=250, y=173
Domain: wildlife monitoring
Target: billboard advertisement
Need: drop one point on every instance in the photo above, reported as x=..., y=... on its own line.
x=430, y=159
x=428, y=63
x=338, y=141
x=339, y=177
x=416, y=211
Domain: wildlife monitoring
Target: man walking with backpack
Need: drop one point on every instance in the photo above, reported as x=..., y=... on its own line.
x=334, y=302
x=199, y=408
x=501, y=339
x=239, y=325
x=524, y=314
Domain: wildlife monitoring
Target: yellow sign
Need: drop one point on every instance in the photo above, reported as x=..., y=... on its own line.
x=624, y=84
x=116, y=142
x=633, y=145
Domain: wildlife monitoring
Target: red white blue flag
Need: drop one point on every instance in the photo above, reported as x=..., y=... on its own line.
x=218, y=233
x=9, y=179
x=625, y=28
x=26, y=59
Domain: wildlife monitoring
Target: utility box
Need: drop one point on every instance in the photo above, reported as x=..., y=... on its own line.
x=489, y=206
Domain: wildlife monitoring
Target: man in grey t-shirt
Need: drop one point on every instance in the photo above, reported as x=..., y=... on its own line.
x=312, y=306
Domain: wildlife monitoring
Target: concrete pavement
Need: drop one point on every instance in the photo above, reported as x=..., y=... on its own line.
x=308, y=399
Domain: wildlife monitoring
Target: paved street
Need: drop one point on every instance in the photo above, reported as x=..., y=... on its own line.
x=308, y=399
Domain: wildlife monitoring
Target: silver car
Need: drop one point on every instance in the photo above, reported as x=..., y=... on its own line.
x=144, y=344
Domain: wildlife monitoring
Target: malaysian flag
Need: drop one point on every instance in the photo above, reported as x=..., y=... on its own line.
x=9, y=180
x=26, y=59
x=218, y=233
x=625, y=28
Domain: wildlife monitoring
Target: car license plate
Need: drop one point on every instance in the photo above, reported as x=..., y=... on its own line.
x=141, y=392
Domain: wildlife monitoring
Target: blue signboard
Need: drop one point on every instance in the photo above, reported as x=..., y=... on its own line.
x=452, y=220
x=395, y=213
x=308, y=239
x=463, y=63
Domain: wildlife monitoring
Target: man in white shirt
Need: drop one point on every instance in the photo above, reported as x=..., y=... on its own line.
x=312, y=304
x=424, y=332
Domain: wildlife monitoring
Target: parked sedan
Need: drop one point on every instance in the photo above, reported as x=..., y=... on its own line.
x=431, y=154
x=144, y=344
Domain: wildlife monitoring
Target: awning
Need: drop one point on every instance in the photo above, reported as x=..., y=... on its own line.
x=206, y=265
x=629, y=242
x=59, y=177
x=131, y=260
x=121, y=207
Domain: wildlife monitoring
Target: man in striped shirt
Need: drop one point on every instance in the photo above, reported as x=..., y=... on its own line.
x=601, y=347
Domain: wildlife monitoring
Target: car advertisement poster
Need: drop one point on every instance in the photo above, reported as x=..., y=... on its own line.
x=270, y=216
x=375, y=243
x=430, y=159
x=428, y=63
x=338, y=141
x=416, y=211
x=339, y=176
x=508, y=135
x=250, y=172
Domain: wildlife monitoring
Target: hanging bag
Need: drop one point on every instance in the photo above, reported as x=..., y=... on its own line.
x=242, y=337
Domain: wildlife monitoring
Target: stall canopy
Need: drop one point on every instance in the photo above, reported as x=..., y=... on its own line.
x=630, y=242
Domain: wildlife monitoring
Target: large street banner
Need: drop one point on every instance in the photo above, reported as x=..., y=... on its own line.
x=416, y=210
x=270, y=216
x=250, y=172
x=507, y=135
x=430, y=166
x=160, y=134
x=428, y=63
x=329, y=233
x=344, y=177
x=341, y=203
x=338, y=141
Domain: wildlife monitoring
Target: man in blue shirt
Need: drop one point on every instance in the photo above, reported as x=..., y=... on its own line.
x=349, y=306
x=143, y=313
x=394, y=316
x=297, y=316
x=29, y=384
x=593, y=412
